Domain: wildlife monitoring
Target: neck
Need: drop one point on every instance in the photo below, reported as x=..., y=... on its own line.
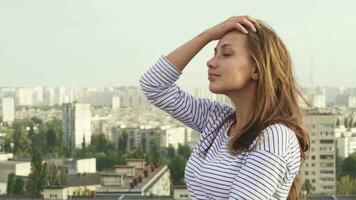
x=245, y=104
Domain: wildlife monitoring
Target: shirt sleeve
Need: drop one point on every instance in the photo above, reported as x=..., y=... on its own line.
x=158, y=85
x=261, y=175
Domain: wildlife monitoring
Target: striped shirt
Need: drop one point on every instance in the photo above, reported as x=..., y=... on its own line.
x=264, y=173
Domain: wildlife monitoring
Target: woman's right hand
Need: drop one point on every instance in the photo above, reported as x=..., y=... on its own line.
x=236, y=22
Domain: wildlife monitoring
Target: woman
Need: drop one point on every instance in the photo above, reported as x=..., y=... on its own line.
x=256, y=149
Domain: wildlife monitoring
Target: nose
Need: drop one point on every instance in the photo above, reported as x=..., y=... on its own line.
x=211, y=62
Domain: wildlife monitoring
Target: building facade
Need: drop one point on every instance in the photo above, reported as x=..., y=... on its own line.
x=76, y=124
x=320, y=166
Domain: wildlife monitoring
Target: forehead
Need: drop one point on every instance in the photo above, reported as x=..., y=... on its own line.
x=235, y=39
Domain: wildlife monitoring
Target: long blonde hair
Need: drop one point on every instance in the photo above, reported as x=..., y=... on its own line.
x=276, y=96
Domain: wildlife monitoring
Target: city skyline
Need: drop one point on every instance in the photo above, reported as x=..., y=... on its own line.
x=112, y=43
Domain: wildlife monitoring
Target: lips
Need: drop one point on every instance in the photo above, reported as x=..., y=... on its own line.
x=212, y=76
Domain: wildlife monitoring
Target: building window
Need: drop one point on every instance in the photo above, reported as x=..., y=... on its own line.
x=326, y=172
x=326, y=141
x=327, y=179
x=326, y=157
x=328, y=187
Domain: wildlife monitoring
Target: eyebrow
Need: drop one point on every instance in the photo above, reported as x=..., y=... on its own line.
x=222, y=46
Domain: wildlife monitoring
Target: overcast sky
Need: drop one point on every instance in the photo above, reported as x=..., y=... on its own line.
x=112, y=42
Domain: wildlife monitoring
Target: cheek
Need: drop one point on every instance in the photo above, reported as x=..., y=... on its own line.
x=237, y=78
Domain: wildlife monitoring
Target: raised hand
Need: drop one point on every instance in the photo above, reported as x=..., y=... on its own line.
x=235, y=22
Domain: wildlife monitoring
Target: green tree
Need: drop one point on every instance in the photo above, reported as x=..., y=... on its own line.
x=63, y=176
x=19, y=186
x=23, y=145
x=307, y=186
x=345, y=185
x=38, y=175
x=122, y=143
x=11, y=180
x=155, y=154
x=184, y=150
x=345, y=122
x=351, y=122
x=337, y=122
x=84, y=144
x=177, y=166
x=108, y=160
x=31, y=132
x=349, y=166
x=36, y=121
x=53, y=178
x=136, y=153
x=51, y=138
x=99, y=143
x=8, y=141
x=339, y=163
x=170, y=152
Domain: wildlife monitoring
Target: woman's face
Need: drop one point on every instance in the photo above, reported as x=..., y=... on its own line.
x=232, y=65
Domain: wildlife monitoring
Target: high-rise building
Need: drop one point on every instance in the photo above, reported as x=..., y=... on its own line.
x=59, y=93
x=8, y=110
x=25, y=96
x=331, y=94
x=346, y=140
x=76, y=125
x=346, y=100
x=37, y=96
x=173, y=136
x=115, y=102
x=319, y=167
x=318, y=100
x=48, y=96
x=131, y=97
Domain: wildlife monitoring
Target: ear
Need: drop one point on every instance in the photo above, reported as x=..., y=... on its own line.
x=255, y=72
x=255, y=75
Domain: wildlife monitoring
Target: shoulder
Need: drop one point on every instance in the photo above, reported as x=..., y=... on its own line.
x=219, y=108
x=278, y=139
x=220, y=115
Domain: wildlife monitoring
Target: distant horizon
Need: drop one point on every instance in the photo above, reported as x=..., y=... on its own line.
x=183, y=86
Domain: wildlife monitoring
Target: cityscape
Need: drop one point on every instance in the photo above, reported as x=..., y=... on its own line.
x=97, y=142
x=76, y=122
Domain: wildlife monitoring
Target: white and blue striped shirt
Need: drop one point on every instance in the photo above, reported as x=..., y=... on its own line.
x=264, y=173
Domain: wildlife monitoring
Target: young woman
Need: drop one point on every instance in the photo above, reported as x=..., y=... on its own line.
x=256, y=149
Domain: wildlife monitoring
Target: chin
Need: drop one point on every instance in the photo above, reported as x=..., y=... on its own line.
x=215, y=90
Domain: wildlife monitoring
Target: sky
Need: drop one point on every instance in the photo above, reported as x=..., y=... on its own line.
x=113, y=42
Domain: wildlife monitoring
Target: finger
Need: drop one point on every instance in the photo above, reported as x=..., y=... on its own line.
x=241, y=28
x=254, y=21
x=249, y=24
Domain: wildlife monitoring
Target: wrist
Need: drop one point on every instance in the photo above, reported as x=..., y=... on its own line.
x=205, y=37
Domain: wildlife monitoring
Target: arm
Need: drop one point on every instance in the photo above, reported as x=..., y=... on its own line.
x=158, y=84
x=181, y=56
